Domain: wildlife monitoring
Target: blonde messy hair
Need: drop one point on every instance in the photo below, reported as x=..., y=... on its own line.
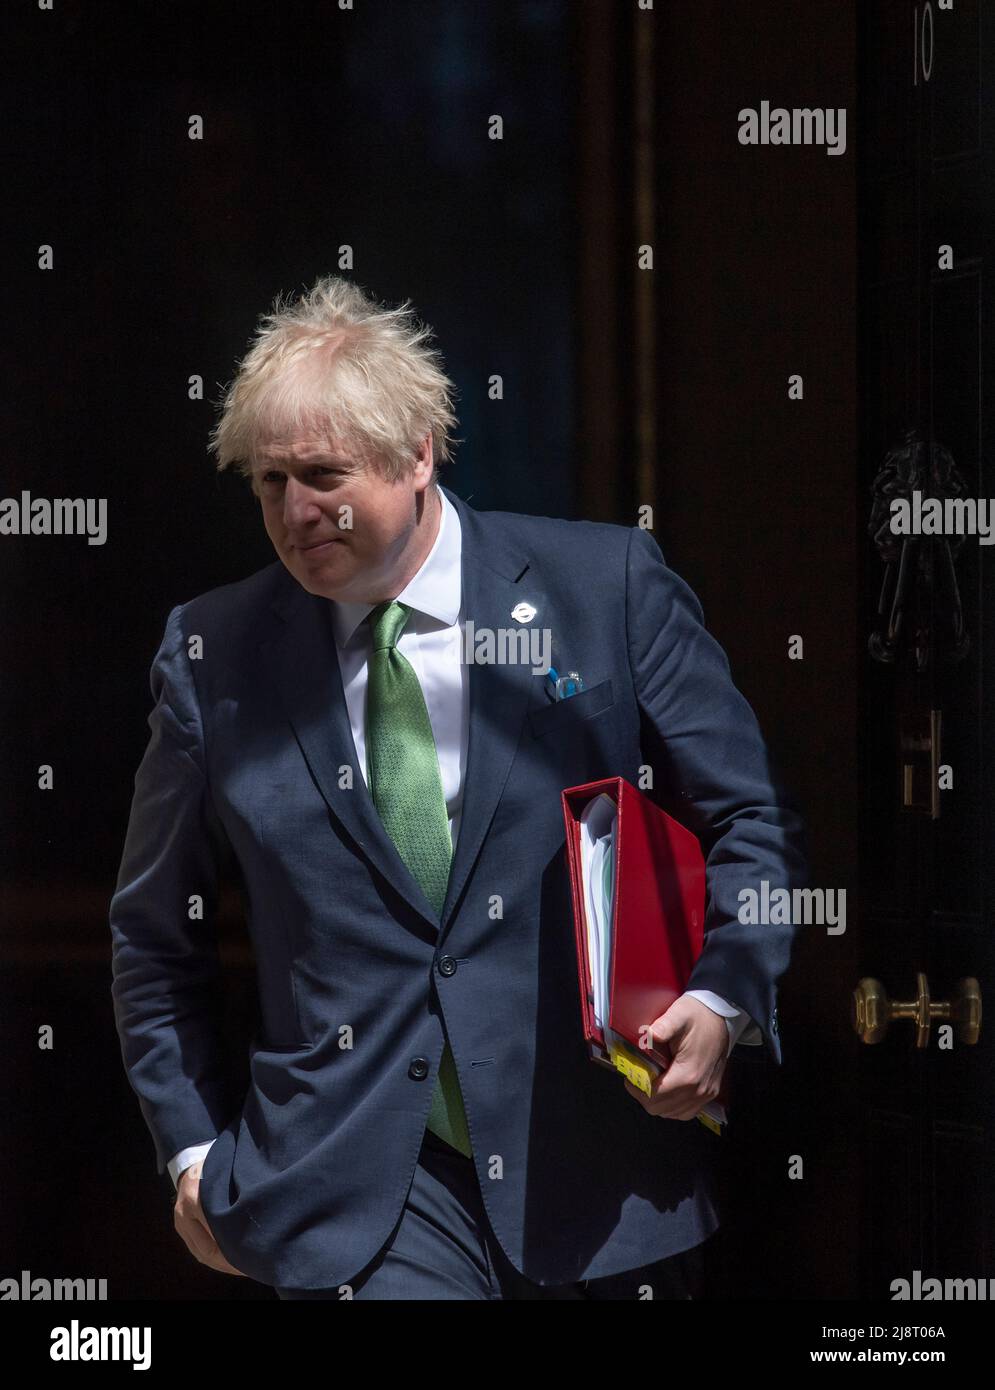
x=345, y=368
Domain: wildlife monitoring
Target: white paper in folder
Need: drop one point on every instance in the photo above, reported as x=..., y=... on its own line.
x=597, y=862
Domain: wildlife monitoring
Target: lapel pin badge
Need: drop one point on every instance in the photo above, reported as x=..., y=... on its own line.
x=523, y=613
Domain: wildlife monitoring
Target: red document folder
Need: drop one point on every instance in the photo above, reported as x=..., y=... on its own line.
x=657, y=926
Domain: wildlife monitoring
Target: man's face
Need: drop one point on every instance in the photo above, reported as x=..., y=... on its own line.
x=341, y=529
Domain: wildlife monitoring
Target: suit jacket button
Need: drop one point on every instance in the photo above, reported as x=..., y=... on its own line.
x=447, y=966
x=418, y=1069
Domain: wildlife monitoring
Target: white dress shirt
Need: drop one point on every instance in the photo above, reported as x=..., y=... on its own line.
x=432, y=641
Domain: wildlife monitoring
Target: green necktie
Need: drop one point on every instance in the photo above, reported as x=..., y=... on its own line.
x=404, y=780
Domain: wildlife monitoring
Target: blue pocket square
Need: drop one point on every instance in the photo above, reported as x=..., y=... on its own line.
x=559, y=687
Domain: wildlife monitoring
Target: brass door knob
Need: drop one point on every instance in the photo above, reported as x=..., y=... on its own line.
x=873, y=1010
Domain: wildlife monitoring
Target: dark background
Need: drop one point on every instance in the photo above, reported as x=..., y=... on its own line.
x=622, y=387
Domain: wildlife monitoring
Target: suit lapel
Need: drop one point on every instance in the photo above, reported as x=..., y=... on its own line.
x=303, y=666
x=301, y=662
x=499, y=695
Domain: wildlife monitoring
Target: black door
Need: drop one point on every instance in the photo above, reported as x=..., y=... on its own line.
x=926, y=885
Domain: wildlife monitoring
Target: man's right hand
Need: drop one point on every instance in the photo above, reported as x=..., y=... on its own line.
x=191, y=1224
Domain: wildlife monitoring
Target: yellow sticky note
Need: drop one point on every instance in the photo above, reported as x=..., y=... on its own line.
x=632, y=1069
x=642, y=1075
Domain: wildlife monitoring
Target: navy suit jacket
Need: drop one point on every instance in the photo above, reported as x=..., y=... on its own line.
x=250, y=755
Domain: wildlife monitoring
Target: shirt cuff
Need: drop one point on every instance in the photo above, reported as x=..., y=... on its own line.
x=184, y=1158
x=740, y=1025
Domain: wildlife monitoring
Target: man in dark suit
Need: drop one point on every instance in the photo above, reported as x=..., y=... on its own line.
x=422, y=1118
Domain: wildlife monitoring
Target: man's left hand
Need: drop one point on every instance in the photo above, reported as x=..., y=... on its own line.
x=698, y=1040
